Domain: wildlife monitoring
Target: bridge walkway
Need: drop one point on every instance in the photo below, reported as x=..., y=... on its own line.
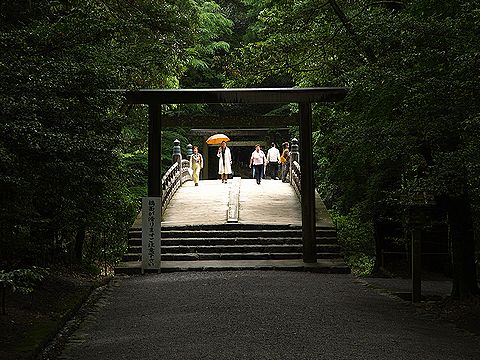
x=272, y=202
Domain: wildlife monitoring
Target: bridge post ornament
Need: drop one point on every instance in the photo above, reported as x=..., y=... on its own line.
x=177, y=155
x=294, y=155
x=189, y=151
x=176, y=147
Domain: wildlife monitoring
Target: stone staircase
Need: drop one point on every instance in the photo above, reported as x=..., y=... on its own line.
x=231, y=246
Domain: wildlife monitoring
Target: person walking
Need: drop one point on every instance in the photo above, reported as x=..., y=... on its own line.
x=285, y=160
x=224, y=161
x=258, y=161
x=273, y=160
x=196, y=164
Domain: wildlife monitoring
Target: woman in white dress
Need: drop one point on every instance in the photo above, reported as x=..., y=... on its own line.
x=224, y=161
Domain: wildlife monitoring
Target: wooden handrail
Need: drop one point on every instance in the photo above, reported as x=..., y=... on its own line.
x=169, y=185
x=185, y=173
x=172, y=180
x=296, y=177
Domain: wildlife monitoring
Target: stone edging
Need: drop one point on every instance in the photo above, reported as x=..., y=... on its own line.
x=233, y=201
x=54, y=344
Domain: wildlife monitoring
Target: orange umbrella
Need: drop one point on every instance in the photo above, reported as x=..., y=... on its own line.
x=217, y=139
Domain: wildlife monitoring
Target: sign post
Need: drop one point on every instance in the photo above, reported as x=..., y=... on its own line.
x=151, y=215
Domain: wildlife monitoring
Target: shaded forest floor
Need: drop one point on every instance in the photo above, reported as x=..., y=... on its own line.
x=33, y=320
x=465, y=313
x=436, y=299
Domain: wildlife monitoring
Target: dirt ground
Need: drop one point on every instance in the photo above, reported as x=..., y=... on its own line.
x=465, y=313
x=32, y=320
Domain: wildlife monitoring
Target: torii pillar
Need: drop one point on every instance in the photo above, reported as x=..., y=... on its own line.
x=154, y=150
x=308, y=185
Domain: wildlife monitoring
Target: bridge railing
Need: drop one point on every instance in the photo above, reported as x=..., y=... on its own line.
x=186, y=175
x=295, y=174
x=175, y=176
x=296, y=177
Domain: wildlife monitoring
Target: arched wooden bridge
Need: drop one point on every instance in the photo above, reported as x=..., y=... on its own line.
x=237, y=225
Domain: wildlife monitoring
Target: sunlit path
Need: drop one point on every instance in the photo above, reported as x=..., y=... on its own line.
x=204, y=204
x=271, y=202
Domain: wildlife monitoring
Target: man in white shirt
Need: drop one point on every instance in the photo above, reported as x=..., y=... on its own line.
x=258, y=161
x=273, y=161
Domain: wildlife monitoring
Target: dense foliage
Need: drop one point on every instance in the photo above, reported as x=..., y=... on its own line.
x=407, y=131
x=72, y=157
x=20, y=280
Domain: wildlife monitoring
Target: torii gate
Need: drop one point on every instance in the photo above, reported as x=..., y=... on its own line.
x=155, y=98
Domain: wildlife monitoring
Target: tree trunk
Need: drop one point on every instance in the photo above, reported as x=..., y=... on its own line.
x=379, y=236
x=79, y=241
x=4, y=290
x=463, y=247
x=43, y=237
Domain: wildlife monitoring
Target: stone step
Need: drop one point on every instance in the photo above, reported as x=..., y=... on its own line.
x=129, y=257
x=229, y=256
x=234, y=241
x=231, y=226
x=277, y=248
x=240, y=233
x=235, y=256
x=321, y=232
x=331, y=266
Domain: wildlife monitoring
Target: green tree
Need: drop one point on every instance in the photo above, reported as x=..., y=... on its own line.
x=61, y=129
x=207, y=57
x=408, y=124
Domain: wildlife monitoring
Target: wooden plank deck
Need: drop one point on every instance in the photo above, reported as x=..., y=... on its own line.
x=271, y=202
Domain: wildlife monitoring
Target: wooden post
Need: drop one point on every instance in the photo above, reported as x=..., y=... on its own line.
x=416, y=264
x=308, y=185
x=417, y=221
x=151, y=239
x=154, y=150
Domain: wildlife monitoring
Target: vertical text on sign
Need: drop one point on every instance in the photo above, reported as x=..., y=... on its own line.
x=151, y=215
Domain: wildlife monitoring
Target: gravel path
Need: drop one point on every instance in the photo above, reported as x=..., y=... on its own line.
x=260, y=315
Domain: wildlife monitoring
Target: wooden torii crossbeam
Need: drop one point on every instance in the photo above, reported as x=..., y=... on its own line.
x=231, y=122
x=155, y=98
x=236, y=96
